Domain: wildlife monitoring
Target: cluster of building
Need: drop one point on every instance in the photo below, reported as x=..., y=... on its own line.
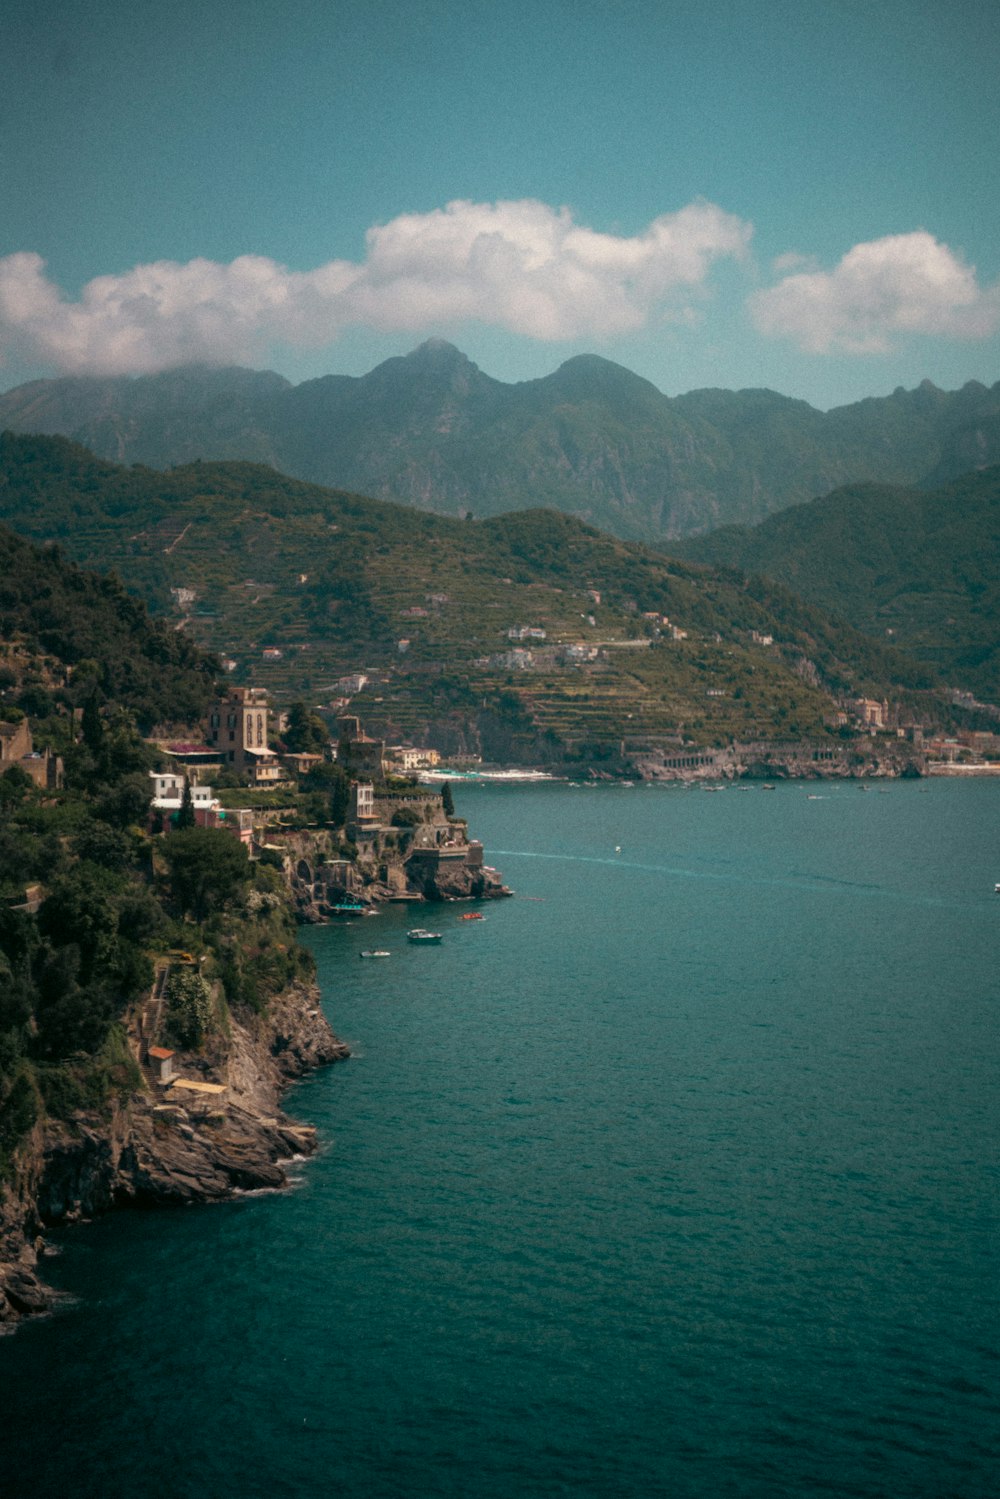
x=237, y=739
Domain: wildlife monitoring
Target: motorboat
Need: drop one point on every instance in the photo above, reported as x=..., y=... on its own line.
x=421, y=934
x=378, y=952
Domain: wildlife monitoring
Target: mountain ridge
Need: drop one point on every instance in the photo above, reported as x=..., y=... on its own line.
x=914, y=566
x=430, y=429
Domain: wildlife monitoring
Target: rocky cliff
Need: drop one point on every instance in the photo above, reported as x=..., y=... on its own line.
x=214, y=1130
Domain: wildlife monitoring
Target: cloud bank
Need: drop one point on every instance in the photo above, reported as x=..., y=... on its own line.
x=879, y=292
x=521, y=266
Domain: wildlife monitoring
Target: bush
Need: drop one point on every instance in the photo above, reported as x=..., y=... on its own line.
x=18, y=1112
x=189, y=1007
x=406, y=817
x=208, y=867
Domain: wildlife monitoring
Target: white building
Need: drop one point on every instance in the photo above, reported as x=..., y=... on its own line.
x=168, y=793
x=350, y=685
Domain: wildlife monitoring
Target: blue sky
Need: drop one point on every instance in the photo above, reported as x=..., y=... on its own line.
x=797, y=195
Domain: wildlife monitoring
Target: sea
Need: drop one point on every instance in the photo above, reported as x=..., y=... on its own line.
x=676, y=1175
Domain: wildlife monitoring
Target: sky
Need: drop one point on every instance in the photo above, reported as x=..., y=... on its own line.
x=734, y=193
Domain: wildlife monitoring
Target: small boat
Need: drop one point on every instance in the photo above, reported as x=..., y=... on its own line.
x=472, y=916
x=421, y=934
x=378, y=952
x=348, y=908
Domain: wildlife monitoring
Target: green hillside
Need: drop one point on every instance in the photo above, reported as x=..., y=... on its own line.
x=300, y=585
x=921, y=569
x=88, y=626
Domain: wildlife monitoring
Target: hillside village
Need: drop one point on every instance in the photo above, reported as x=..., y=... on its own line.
x=348, y=820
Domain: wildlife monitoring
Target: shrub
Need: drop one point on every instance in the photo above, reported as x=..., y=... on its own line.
x=405, y=817
x=189, y=1007
x=18, y=1112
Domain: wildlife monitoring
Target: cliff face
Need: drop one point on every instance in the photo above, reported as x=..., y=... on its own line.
x=167, y=1144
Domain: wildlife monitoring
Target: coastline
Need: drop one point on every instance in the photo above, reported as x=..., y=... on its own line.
x=692, y=763
x=167, y=1145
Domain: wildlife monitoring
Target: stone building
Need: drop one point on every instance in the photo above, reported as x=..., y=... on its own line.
x=238, y=729
x=17, y=748
x=356, y=752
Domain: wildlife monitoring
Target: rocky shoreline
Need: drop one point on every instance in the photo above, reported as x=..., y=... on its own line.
x=167, y=1144
x=769, y=761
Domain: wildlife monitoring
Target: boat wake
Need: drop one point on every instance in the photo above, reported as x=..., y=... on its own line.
x=795, y=881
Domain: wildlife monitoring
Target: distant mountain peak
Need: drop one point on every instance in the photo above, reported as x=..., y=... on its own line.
x=591, y=375
x=437, y=352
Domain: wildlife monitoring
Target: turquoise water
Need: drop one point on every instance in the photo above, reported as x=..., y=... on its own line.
x=674, y=1176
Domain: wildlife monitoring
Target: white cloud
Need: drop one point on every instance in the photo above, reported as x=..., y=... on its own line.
x=522, y=266
x=880, y=291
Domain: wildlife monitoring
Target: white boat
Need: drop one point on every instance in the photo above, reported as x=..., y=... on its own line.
x=379, y=952
x=421, y=934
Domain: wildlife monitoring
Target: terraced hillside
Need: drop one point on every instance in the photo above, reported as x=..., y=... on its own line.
x=299, y=586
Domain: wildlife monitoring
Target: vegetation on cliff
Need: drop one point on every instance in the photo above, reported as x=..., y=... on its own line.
x=89, y=902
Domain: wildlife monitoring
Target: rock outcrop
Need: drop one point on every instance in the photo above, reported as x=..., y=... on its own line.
x=433, y=861
x=216, y=1130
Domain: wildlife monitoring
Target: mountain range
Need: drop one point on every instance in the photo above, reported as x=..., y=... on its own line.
x=431, y=430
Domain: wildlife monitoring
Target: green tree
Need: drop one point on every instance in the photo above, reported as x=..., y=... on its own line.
x=82, y=908
x=91, y=725
x=405, y=817
x=306, y=733
x=340, y=799
x=127, y=802
x=189, y=1007
x=18, y=1112
x=208, y=867
x=15, y=784
x=71, y=1016
x=447, y=800
x=185, y=817
x=103, y=844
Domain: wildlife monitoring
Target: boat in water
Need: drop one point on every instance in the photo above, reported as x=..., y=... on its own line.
x=421, y=934
x=378, y=952
x=472, y=916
